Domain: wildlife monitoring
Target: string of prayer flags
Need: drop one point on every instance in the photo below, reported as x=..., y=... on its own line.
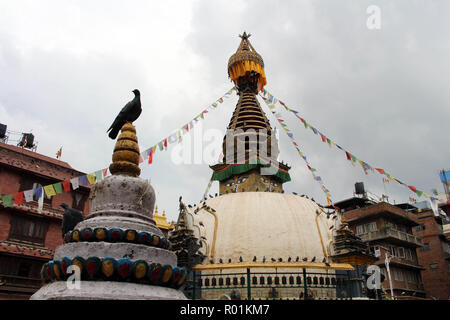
x=291, y=136
x=177, y=135
x=365, y=166
x=28, y=194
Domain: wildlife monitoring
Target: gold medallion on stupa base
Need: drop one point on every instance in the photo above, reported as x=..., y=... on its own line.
x=126, y=153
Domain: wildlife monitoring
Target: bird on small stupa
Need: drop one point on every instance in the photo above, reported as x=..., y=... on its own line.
x=129, y=113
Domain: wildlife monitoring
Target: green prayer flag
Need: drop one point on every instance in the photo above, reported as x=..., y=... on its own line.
x=419, y=193
x=7, y=200
x=58, y=187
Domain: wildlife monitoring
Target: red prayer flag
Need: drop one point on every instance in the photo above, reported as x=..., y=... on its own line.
x=186, y=127
x=150, y=157
x=281, y=103
x=380, y=170
x=165, y=143
x=349, y=157
x=413, y=188
x=105, y=172
x=18, y=198
x=66, y=185
x=324, y=139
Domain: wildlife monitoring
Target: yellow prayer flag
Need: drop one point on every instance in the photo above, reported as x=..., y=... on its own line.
x=49, y=191
x=91, y=178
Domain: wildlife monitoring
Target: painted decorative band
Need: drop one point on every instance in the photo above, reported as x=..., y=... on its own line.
x=117, y=235
x=110, y=269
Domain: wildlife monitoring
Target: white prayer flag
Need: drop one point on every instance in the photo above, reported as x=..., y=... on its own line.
x=75, y=183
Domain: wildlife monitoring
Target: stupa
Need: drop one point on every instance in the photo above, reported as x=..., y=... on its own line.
x=118, y=249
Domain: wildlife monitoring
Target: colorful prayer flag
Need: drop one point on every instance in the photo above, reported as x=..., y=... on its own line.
x=91, y=178
x=28, y=194
x=7, y=200
x=49, y=191
x=84, y=181
x=18, y=198
x=66, y=185
x=150, y=158
x=58, y=187
x=75, y=183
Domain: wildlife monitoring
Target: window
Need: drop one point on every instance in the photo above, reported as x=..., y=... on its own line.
x=426, y=247
x=366, y=228
x=398, y=275
x=28, y=229
x=420, y=228
x=412, y=277
x=434, y=266
x=400, y=252
x=409, y=254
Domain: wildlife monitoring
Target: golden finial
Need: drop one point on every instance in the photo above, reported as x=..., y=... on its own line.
x=156, y=210
x=126, y=153
x=164, y=213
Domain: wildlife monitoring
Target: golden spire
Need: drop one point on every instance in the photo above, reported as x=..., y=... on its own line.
x=156, y=210
x=126, y=153
x=245, y=61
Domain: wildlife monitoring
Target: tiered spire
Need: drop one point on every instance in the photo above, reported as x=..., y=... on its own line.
x=249, y=143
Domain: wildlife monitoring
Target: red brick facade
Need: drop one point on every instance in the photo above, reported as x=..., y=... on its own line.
x=22, y=253
x=434, y=255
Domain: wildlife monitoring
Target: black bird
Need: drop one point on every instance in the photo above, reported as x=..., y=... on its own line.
x=273, y=260
x=189, y=206
x=264, y=259
x=211, y=196
x=220, y=260
x=229, y=260
x=331, y=227
x=254, y=259
x=211, y=261
x=296, y=259
x=327, y=264
x=240, y=259
x=305, y=259
x=289, y=259
x=216, y=195
x=313, y=259
x=335, y=217
x=129, y=113
x=71, y=218
x=324, y=260
x=280, y=259
x=294, y=193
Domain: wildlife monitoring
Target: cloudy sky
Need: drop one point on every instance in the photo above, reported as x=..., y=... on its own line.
x=68, y=67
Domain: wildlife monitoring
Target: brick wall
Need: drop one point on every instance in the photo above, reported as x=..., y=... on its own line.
x=436, y=276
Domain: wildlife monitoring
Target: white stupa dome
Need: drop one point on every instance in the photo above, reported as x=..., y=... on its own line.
x=261, y=224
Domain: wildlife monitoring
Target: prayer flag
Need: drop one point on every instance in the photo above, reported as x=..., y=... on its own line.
x=91, y=178
x=18, y=198
x=105, y=172
x=75, y=183
x=58, y=187
x=380, y=170
x=98, y=175
x=28, y=195
x=413, y=188
x=324, y=139
x=165, y=143
x=49, y=191
x=150, y=158
x=348, y=155
x=84, y=181
x=58, y=154
x=37, y=193
x=419, y=193
x=66, y=185
x=7, y=200
x=161, y=146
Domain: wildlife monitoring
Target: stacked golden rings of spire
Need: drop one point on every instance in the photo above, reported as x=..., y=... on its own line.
x=126, y=153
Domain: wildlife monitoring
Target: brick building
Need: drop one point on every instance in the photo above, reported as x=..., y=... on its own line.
x=435, y=254
x=388, y=229
x=29, y=236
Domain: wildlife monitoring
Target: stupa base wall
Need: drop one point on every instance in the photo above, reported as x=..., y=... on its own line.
x=106, y=290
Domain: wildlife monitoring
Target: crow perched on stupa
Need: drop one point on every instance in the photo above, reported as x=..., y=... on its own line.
x=71, y=218
x=129, y=113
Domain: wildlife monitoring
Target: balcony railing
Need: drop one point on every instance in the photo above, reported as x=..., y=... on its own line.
x=21, y=283
x=392, y=233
